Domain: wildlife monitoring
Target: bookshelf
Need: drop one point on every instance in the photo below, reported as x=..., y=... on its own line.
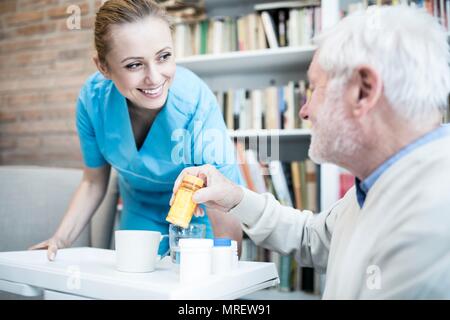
x=293, y=143
x=231, y=7
x=251, y=69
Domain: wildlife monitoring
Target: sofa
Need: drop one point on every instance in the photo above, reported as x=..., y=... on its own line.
x=34, y=200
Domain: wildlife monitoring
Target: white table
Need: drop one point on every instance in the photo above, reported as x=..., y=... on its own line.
x=89, y=273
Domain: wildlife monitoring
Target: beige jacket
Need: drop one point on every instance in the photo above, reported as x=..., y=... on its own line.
x=396, y=247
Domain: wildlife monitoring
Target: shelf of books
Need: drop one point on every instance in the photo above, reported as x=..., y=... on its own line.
x=270, y=146
x=244, y=68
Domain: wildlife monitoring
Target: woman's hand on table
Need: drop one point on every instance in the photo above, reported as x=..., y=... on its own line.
x=52, y=245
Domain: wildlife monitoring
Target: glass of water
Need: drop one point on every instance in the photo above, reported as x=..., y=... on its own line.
x=194, y=230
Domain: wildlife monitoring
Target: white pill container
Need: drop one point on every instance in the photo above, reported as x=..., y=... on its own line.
x=222, y=258
x=195, y=259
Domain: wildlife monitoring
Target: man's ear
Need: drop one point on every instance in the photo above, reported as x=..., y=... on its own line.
x=368, y=86
x=101, y=66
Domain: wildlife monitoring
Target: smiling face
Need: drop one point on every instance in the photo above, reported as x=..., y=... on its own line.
x=140, y=61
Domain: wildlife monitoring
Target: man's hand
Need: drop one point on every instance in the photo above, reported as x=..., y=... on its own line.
x=219, y=193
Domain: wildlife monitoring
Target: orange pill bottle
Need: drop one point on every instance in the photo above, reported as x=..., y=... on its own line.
x=183, y=207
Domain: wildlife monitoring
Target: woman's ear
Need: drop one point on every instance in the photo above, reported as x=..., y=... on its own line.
x=369, y=89
x=101, y=66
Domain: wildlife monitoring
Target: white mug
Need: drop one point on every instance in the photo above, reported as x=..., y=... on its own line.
x=137, y=250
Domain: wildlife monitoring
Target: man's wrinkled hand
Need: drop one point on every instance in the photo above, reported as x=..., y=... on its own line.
x=219, y=193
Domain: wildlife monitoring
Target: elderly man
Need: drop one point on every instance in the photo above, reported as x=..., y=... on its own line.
x=380, y=80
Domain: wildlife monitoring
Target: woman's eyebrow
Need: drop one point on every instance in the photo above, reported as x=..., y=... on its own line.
x=131, y=58
x=165, y=48
x=137, y=58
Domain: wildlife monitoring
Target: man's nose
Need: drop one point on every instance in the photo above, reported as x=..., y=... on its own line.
x=304, y=112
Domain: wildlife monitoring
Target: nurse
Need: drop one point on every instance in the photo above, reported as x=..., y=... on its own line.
x=145, y=117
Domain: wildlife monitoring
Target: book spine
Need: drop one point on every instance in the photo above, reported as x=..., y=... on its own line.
x=217, y=36
x=204, y=36
x=282, y=28
x=269, y=30
x=285, y=273
x=256, y=101
x=261, y=37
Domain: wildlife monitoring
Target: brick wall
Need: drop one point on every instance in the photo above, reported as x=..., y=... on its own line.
x=43, y=65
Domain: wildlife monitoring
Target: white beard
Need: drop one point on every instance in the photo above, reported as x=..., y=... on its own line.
x=335, y=138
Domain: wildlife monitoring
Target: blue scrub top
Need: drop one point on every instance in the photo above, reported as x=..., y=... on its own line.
x=189, y=130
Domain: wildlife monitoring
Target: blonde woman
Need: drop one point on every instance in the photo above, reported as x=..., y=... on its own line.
x=147, y=118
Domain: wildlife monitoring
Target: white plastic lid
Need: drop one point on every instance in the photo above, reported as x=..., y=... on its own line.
x=195, y=243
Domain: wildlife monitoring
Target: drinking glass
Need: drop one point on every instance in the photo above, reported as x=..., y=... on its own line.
x=194, y=230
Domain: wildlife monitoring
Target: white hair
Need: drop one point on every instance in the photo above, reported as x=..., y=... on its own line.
x=407, y=46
